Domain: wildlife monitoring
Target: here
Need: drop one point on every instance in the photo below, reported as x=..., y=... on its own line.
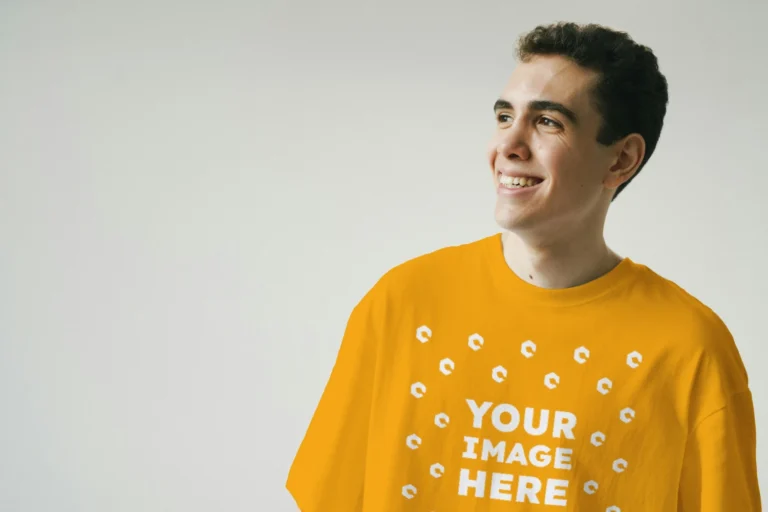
x=528, y=489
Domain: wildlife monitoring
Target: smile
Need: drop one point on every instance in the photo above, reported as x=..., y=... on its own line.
x=516, y=182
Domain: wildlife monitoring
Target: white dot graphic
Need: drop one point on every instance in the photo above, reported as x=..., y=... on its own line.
x=499, y=374
x=437, y=470
x=604, y=385
x=627, y=415
x=442, y=420
x=418, y=389
x=423, y=334
x=528, y=348
x=475, y=342
x=447, y=366
x=634, y=359
x=413, y=441
x=551, y=380
x=620, y=465
x=598, y=438
x=581, y=355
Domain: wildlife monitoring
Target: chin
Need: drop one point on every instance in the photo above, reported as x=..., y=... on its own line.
x=513, y=221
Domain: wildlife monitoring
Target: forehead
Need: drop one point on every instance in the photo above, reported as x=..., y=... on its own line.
x=552, y=78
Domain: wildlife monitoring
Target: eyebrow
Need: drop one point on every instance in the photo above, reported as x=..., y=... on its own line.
x=540, y=105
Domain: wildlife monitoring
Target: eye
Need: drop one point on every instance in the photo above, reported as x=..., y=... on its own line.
x=551, y=122
x=501, y=118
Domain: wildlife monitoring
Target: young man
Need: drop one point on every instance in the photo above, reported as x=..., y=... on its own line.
x=537, y=369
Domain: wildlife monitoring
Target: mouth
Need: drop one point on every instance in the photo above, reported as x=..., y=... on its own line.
x=515, y=182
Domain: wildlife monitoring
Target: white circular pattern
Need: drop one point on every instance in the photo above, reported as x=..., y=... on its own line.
x=418, y=389
x=581, y=355
x=409, y=491
x=634, y=359
x=499, y=374
x=442, y=420
x=528, y=348
x=613, y=508
x=551, y=380
x=627, y=414
x=436, y=470
x=620, y=465
x=476, y=342
x=447, y=366
x=604, y=385
x=413, y=441
x=423, y=334
x=598, y=438
x=590, y=487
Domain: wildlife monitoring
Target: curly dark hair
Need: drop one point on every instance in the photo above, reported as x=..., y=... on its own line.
x=631, y=93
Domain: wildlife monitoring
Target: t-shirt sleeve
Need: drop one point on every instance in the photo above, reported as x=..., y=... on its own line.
x=328, y=470
x=719, y=468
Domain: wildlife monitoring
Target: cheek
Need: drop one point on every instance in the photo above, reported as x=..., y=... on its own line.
x=567, y=166
x=558, y=160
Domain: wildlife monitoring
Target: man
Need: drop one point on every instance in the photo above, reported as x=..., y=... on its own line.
x=537, y=369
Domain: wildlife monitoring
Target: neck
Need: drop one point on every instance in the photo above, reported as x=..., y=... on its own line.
x=561, y=263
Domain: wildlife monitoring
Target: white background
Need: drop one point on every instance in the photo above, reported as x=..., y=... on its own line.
x=194, y=195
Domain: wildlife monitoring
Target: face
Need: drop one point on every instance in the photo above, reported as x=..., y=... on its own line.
x=546, y=131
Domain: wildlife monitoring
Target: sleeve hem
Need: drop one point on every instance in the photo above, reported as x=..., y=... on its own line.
x=298, y=498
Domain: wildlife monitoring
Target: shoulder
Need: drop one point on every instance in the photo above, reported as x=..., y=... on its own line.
x=432, y=269
x=419, y=280
x=700, y=334
x=687, y=311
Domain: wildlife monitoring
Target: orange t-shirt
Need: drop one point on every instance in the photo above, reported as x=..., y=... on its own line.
x=461, y=387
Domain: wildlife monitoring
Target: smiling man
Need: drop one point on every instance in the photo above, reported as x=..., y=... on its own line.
x=536, y=369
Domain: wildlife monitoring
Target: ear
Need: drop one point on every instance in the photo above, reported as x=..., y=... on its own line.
x=629, y=153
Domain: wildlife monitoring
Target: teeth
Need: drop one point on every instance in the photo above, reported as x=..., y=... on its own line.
x=515, y=182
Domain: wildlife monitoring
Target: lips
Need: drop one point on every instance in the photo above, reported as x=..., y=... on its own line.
x=518, y=174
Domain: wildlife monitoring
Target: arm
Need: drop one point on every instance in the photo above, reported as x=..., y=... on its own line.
x=329, y=468
x=719, y=469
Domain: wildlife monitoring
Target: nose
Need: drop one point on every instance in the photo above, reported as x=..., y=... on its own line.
x=513, y=141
